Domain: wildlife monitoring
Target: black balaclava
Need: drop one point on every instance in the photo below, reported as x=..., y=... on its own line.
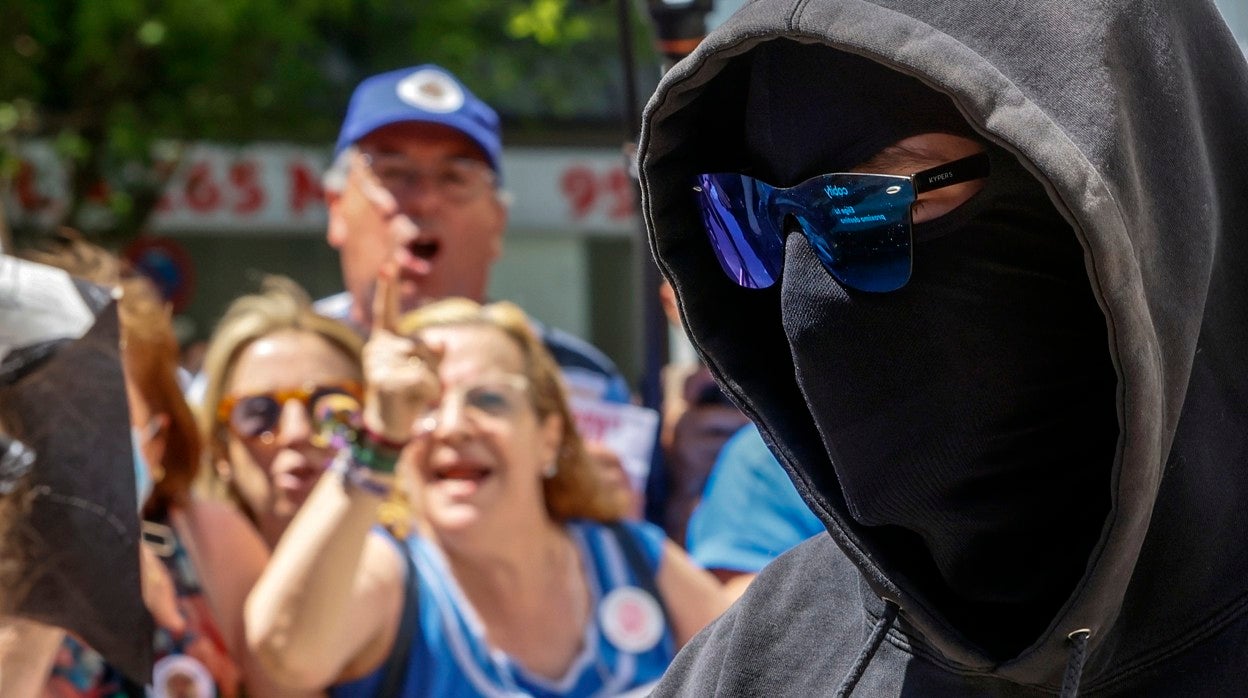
x=970, y=416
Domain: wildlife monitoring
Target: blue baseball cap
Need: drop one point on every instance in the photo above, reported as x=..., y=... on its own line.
x=426, y=93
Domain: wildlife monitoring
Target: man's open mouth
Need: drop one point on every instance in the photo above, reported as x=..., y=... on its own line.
x=424, y=249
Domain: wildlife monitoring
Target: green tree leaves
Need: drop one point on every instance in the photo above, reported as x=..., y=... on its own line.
x=105, y=81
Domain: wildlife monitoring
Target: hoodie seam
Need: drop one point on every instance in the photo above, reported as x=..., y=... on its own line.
x=903, y=642
x=1209, y=628
x=791, y=24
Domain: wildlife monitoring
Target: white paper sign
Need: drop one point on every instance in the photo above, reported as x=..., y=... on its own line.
x=628, y=430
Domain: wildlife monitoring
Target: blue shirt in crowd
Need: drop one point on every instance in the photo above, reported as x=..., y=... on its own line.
x=750, y=511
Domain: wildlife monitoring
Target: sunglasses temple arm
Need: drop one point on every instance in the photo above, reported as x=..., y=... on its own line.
x=965, y=170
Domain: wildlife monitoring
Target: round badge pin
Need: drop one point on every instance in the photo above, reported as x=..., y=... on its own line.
x=631, y=619
x=431, y=90
x=180, y=675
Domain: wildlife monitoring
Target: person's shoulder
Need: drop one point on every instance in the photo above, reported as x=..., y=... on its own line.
x=800, y=607
x=616, y=537
x=814, y=571
x=750, y=511
x=337, y=306
x=564, y=344
x=746, y=446
x=221, y=518
x=748, y=478
x=581, y=360
x=639, y=530
x=224, y=535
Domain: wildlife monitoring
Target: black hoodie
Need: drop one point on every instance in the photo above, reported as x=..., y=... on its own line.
x=1120, y=185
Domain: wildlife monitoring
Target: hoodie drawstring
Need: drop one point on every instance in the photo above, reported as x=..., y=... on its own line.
x=1070, y=678
x=882, y=626
x=1074, y=662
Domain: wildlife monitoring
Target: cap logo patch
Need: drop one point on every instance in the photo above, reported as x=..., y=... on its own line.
x=431, y=90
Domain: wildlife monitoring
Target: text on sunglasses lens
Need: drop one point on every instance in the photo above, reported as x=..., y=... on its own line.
x=858, y=224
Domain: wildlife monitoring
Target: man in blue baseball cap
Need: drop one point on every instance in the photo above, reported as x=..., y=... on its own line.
x=417, y=179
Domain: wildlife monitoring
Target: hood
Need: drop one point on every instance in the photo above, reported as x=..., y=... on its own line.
x=1129, y=114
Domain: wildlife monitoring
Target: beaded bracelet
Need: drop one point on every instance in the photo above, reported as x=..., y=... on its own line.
x=360, y=478
x=375, y=452
x=380, y=441
x=356, y=476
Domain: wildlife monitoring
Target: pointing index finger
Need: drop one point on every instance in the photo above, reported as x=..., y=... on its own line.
x=386, y=299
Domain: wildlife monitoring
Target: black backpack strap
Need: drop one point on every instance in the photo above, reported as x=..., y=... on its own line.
x=641, y=568
x=395, y=668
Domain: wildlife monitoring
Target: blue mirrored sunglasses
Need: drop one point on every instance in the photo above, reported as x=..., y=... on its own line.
x=858, y=224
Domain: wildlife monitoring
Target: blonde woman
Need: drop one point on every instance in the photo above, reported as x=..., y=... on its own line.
x=519, y=578
x=269, y=364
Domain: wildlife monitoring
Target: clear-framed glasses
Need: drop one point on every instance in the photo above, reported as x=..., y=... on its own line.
x=499, y=396
x=454, y=179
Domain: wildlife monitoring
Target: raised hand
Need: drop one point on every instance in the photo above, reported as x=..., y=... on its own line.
x=400, y=372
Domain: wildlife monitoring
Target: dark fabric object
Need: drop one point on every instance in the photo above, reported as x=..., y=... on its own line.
x=1007, y=405
x=810, y=111
x=80, y=527
x=19, y=362
x=1129, y=115
x=801, y=623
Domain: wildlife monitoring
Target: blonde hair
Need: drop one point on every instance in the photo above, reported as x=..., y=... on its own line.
x=281, y=304
x=575, y=491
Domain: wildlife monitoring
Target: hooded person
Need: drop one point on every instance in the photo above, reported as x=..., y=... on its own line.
x=1001, y=359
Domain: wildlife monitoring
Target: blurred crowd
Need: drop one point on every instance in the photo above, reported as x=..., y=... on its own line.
x=985, y=306
x=384, y=490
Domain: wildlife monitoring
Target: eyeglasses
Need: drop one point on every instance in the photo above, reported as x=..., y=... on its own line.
x=455, y=179
x=257, y=415
x=500, y=396
x=858, y=224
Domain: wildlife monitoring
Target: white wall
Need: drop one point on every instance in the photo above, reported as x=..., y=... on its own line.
x=547, y=275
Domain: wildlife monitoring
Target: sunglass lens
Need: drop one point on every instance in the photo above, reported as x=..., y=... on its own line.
x=862, y=235
x=747, y=244
x=254, y=415
x=330, y=405
x=873, y=258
